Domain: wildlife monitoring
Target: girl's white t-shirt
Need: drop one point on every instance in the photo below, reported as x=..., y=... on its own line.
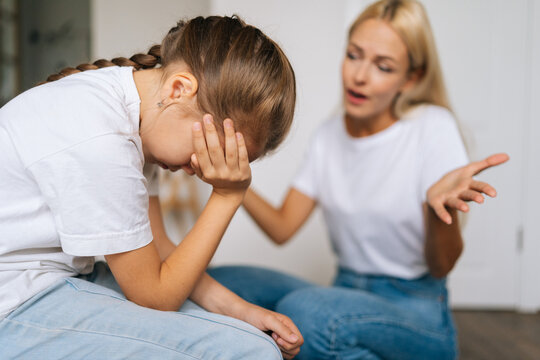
x=71, y=180
x=372, y=189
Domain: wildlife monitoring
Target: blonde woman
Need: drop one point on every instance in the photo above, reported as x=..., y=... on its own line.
x=390, y=175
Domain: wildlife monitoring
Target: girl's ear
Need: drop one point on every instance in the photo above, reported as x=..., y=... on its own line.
x=181, y=85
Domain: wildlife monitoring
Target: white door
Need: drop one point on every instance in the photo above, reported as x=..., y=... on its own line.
x=485, y=50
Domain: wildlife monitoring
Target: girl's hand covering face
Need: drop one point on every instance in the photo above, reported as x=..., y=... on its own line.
x=282, y=329
x=228, y=170
x=457, y=187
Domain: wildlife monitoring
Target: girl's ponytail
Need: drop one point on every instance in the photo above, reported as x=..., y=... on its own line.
x=139, y=61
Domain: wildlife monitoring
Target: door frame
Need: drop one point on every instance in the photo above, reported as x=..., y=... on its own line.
x=529, y=271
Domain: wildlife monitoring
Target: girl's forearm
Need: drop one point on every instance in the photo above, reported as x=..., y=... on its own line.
x=165, y=285
x=214, y=297
x=444, y=243
x=184, y=266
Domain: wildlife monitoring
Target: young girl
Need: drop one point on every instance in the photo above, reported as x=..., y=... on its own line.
x=72, y=187
x=390, y=175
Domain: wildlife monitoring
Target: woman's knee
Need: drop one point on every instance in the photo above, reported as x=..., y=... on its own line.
x=264, y=287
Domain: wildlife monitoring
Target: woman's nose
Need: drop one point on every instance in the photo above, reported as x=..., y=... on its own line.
x=361, y=73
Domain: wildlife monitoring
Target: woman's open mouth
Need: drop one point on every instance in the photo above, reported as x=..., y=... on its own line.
x=356, y=98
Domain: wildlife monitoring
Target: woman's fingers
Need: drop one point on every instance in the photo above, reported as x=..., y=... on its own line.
x=471, y=195
x=483, y=188
x=457, y=204
x=441, y=212
x=478, y=166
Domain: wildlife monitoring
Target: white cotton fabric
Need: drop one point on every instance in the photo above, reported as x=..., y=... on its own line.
x=71, y=180
x=372, y=189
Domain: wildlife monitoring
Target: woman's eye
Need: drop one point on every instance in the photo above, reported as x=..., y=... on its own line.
x=351, y=55
x=385, y=68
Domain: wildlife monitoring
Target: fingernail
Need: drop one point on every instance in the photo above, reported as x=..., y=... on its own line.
x=227, y=123
x=239, y=136
x=293, y=338
x=197, y=126
x=207, y=119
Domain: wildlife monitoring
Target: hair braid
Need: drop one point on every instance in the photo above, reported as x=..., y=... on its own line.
x=139, y=61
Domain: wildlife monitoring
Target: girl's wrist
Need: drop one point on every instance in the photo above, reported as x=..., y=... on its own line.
x=236, y=308
x=233, y=197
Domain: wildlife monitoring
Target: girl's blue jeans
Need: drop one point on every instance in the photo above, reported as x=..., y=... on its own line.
x=359, y=317
x=89, y=318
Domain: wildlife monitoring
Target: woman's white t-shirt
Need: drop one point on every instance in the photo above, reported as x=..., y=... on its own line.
x=71, y=180
x=372, y=189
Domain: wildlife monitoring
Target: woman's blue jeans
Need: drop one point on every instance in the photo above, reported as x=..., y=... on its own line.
x=89, y=318
x=359, y=317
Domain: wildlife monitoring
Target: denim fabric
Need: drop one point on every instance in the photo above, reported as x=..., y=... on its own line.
x=89, y=318
x=359, y=317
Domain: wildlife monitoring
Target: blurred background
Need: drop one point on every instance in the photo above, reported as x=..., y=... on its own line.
x=490, y=52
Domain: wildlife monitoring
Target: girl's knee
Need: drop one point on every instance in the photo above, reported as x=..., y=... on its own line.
x=234, y=339
x=256, y=347
x=263, y=350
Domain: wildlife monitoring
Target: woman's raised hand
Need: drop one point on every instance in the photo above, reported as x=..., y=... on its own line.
x=228, y=170
x=457, y=187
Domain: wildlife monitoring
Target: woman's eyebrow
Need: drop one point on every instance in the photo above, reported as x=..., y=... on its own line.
x=377, y=56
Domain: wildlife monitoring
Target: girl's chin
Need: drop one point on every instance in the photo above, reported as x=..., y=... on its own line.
x=188, y=169
x=162, y=165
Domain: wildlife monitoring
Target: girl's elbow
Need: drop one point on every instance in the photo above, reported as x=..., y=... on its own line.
x=161, y=303
x=281, y=239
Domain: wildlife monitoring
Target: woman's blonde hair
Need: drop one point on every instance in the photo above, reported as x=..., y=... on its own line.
x=409, y=20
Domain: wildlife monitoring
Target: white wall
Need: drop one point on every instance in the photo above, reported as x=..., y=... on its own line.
x=124, y=27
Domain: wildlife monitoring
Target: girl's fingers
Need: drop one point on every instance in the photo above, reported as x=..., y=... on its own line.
x=286, y=348
x=195, y=166
x=483, y=187
x=200, y=147
x=290, y=339
x=471, y=195
x=215, y=150
x=231, y=146
x=243, y=158
x=457, y=204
